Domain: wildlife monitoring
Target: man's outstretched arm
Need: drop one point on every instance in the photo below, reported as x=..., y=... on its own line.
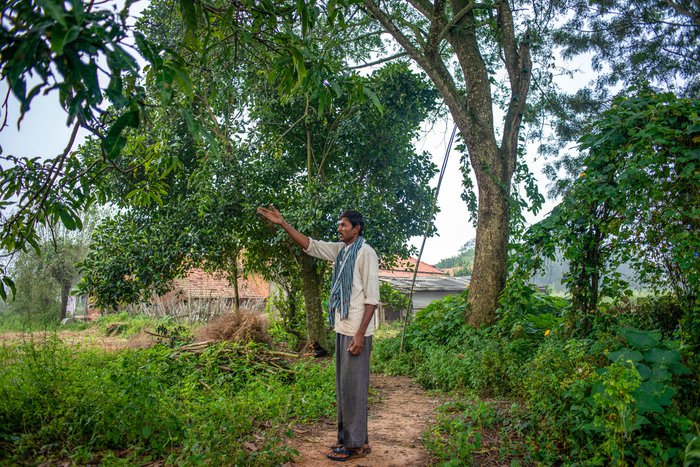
x=275, y=217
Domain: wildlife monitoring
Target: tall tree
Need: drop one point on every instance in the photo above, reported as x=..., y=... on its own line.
x=483, y=39
x=353, y=156
x=636, y=201
x=65, y=45
x=636, y=41
x=46, y=277
x=627, y=43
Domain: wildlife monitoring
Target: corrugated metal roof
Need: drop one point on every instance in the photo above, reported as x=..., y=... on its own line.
x=429, y=284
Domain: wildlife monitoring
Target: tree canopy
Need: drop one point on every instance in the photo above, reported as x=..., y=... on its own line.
x=635, y=201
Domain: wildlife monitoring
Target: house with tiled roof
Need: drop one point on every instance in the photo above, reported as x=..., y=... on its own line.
x=212, y=293
x=201, y=295
x=431, y=284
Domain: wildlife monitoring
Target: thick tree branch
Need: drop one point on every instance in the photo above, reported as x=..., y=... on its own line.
x=509, y=42
x=437, y=24
x=431, y=64
x=395, y=32
x=520, y=84
x=424, y=7
x=380, y=61
x=456, y=19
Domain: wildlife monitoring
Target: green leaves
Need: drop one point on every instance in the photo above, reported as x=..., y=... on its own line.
x=114, y=141
x=655, y=367
x=641, y=340
x=635, y=202
x=7, y=284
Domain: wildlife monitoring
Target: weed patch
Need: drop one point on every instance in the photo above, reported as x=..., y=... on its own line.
x=616, y=396
x=227, y=404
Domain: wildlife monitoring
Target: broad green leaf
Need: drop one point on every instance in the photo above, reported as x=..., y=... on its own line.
x=644, y=371
x=183, y=78
x=66, y=217
x=8, y=282
x=88, y=73
x=640, y=340
x=647, y=403
x=375, y=100
x=662, y=393
x=662, y=356
x=624, y=355
x=55, y=10
x=189, y=14
x=59, y=41
x=660, y=374
x=147, y=50
x=114, y=92
x=114, y=141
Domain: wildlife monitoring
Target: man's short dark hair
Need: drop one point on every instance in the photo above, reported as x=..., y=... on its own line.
x=355, y=219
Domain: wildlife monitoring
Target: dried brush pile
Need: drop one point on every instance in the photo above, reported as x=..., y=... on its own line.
x=241, y=326
x=237, y=359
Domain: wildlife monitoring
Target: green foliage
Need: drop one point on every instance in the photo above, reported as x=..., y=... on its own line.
x=291, y=325
x=619, y=396
x=692, y=453
x=77, y=49
x=463, y=261
x=634, y=202
x=461, y=426
x=153, y=404
x=634, y=41
x=392, y=298
x=526, y=311
x=444, y=353
x=622, y=401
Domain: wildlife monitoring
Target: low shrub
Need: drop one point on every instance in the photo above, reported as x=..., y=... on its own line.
x=615, y=396
x=472, y=431
x=226, y=404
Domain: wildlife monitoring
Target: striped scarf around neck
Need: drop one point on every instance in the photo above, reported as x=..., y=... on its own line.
x=341, y=283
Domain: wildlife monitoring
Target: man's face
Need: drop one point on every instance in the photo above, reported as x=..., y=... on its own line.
x=347, y=232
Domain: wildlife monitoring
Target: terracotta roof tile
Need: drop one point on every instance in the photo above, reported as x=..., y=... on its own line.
x=404, y=268
x=202, y=284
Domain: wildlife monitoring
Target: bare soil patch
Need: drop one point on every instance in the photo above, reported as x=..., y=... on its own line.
x=399, y=412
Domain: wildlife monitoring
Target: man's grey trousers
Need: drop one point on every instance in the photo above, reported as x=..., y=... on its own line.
x=351, y=389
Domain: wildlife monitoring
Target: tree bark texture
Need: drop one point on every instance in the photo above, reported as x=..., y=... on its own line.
x=315, y=325
x=472, y=110
x=65, y=293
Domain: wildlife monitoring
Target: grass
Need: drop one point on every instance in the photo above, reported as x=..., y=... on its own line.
x=223, y=405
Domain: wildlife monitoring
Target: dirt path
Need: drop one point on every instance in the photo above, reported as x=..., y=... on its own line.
x=396, y=420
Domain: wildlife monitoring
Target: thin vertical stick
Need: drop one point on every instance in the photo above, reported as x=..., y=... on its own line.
x=425, y=236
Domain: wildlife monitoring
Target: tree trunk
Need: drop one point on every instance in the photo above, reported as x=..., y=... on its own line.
x=315, y=326
x=472, y=111
x=491, y=253
x=65, y=293
x=236, y=294
x=232, y=271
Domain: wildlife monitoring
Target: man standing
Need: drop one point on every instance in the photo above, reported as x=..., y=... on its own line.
x=354, y=296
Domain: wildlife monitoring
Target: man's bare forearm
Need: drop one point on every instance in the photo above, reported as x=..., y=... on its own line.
x=298, y=237
x=366, y=319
